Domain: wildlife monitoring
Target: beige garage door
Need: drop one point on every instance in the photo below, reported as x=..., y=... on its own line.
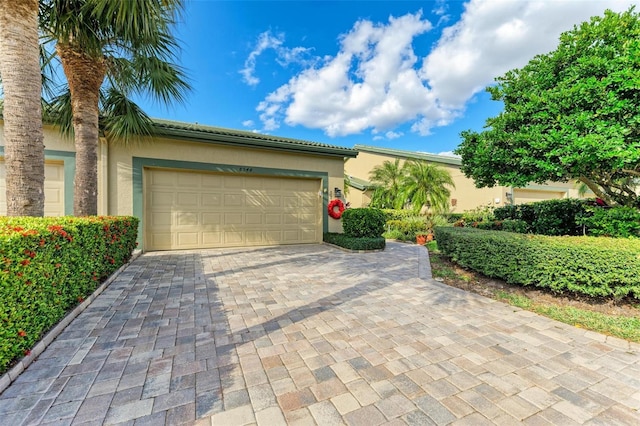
x=53, y=189
x=201, y=210
x=523, y=196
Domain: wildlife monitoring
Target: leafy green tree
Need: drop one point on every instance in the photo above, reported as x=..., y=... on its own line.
x=426, y=185
x=573, y=113
x=387, y=178
x=21, y=108
x=109, y=51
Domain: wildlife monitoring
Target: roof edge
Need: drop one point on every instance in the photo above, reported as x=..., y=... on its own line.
x=209, y=134
x=409, y=155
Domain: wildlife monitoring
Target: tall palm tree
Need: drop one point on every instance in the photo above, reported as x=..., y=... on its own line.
x=387, y=179
x=426, y=185
x=21, y=81
x=109, y=51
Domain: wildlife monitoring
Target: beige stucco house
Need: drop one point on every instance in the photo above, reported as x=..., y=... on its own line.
x=197, y=186
x=464, y=197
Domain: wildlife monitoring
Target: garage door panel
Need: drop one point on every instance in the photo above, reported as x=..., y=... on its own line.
x=53, y=188
x=273, y=219
x=308, y=234
x=187, y=199
x=187, y=219
x=161, y=219
x=253, y=219
x=233, y=237
x=211, y=238
x=188, y=239
x=254, y=237
x=211, y=219
x=233, y=218
x=193, y=210
x=211, y=200
x=212, y=181
x=290, y=202
x=233, y=200
x=162, y=199
x=188, y=180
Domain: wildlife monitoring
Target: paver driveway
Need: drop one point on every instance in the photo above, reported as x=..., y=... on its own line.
x=313, y=335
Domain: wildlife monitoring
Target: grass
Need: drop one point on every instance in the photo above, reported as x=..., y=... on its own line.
x=624, y=327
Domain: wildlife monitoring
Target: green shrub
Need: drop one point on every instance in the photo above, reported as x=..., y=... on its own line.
x=515, y=225
x=49, y=265
x=395, y=234
x=354, y=243
x=397, y=214
x=598, y=267
x=363, y=223
x=479, y=214
x=549, y=217
x=618, y=222
x=409, y=227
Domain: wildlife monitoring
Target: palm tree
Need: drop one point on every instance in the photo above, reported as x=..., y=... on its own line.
x=109, y=50
x=21, y=81
x=426, y=185
x=387, y=179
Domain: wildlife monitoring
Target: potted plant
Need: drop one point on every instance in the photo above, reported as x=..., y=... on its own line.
x=423, y=238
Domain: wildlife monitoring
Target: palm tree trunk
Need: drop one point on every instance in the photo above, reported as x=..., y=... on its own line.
x=85, y=75
x=22, y=85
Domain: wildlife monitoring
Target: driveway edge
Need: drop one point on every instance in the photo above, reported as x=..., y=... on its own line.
x=8, y=377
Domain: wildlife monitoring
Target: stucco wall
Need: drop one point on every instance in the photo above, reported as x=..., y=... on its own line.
x=465, y=194
x=115, y=165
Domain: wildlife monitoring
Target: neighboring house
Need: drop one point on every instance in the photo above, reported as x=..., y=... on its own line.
x=197, y=186
x=464, y=197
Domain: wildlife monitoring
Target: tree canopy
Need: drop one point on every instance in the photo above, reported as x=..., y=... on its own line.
x=573, y=113
x=110, y=52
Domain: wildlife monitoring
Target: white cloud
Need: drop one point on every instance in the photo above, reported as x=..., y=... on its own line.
x=372, y=83
x=494, y=36
x=248, y=123
x=448, y=154
x=285, y=56
x=393, y=135
x=376, y=82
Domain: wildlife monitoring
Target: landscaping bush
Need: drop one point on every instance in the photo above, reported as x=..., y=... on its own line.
x=549, y=217
x=354, y=243
x=409, y=227
x=597, y=267
x=49, y=265
x=515, y=225
x=363, y=223
x=397, y=214
x=619, y=222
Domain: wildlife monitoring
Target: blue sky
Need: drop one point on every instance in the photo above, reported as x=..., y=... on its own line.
x=398, y=74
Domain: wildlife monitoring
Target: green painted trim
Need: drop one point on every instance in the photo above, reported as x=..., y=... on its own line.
x=409, y=155
x=140, y=163
x=238, y=138
x=358, y=183
x=69, y=164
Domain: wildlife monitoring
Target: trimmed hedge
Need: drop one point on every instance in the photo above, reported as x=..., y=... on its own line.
x=363, y=223
x=617, y=222
x=48, y=266
x=597, y=267
x=549, y=217
x=354, y=243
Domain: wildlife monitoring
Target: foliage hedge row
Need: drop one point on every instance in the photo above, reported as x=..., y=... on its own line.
x=597, y=267
x=363, y=223
x=549, y=217
x=48, y=266
x=354, y=243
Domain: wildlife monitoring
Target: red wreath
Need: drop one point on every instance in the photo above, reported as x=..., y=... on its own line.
x=332, y=208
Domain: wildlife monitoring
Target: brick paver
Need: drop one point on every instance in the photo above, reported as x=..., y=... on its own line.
x=311, y=334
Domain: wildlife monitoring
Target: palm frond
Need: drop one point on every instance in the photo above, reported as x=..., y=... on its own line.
x=59, y=112
x=123, y=119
